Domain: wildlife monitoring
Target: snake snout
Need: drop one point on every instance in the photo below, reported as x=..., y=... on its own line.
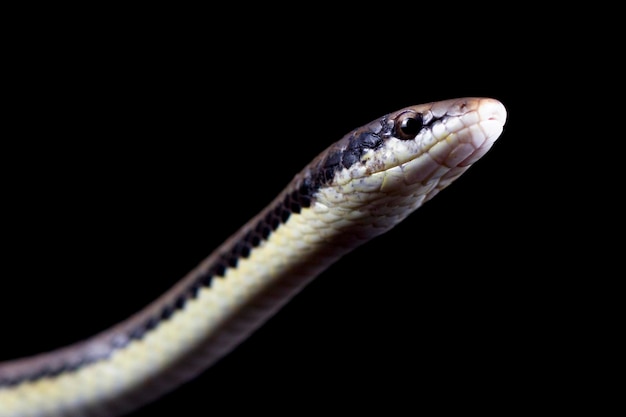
x=493, y=110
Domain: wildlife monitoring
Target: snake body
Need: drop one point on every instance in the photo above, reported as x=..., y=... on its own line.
x=358, y=188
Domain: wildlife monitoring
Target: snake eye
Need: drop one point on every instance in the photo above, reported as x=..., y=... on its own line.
x=408, y=125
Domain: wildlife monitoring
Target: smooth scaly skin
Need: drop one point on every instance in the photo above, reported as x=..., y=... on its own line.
x=358, y=188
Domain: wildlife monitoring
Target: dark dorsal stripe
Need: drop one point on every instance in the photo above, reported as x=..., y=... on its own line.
x=275, y=216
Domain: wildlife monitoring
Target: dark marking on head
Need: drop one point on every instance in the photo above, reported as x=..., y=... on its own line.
x=359, y=142
x=357, y=146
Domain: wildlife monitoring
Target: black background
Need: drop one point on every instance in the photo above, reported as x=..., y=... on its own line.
x=131, y=157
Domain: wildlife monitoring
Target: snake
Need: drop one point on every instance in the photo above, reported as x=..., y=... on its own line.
x=356, y=189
